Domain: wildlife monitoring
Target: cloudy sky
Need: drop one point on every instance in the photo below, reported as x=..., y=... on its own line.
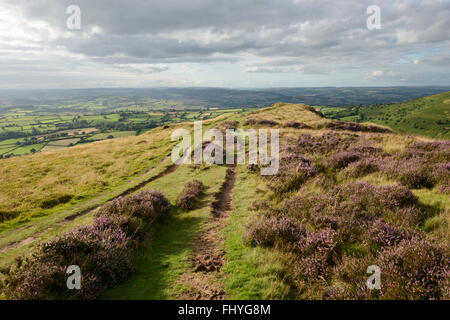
x=232, y=43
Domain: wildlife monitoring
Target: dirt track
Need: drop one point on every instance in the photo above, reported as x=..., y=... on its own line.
x=208, y=256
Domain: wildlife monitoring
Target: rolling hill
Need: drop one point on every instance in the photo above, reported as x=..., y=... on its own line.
x=346, y=196
x=427, y=116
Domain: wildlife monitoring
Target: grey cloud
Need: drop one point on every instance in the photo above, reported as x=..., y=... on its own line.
x=262, y=36
x=154, y=29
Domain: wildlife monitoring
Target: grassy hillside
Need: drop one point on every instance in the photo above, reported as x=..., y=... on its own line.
x=346, y=196
x=428, y=116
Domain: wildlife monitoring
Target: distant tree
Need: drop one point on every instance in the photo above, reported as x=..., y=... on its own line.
x=110, y=136
x=33, y=150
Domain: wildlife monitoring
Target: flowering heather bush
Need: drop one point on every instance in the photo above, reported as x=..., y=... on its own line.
x=269, y=231
x=229, y=124
x=296, y=125
x=293, y=162
x=362, y=167
x=151, y=206
x=348, y=220
x=384, y=234
x=414, y=173
x=102, y=251
x=324, y=144
x=294, y=171
x=352, y=126
x=366, y=150
x=336, y=234
x=396, y=196
x=436, y=151
x=264, y=122
x=441, y=175
x=191, y=191
x=358, y=201
x=416, y=179
x=415, y=269
x=445, y=189
x=342, y=159
x=318, y=253
x=420, y=165
x=430, y=146
x=351, y=275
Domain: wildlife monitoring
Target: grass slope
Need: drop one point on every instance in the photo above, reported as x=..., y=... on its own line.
x=252, y=272
x=42, y=184
x=427, y=116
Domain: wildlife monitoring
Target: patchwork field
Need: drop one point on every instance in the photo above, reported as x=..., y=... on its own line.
x=25, y=130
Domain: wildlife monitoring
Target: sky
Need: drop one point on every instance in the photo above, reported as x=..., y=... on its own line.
x=232, y=43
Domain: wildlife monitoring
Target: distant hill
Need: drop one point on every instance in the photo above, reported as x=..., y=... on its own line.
x=427, y=116
x=217, y=97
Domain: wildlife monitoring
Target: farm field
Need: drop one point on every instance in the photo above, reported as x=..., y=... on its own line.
x=360, y=193
x=50, y=127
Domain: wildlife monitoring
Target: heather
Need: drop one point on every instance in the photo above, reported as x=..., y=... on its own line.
x=352, y=126
x=229, y=124
x=190, y=194
x=420, y=165
x=362, y=167
x=296, y=125
x=342, y=159
x=263, y=122
x=334, y=227
x=103, y=251
x=319, y=145
x=357, y=222
x=418, y=269
x=149, y=205
x=294, y=171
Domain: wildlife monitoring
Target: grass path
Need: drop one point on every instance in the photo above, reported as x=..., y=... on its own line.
x=252, y=273
x=167, y=255
x=204, y=279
